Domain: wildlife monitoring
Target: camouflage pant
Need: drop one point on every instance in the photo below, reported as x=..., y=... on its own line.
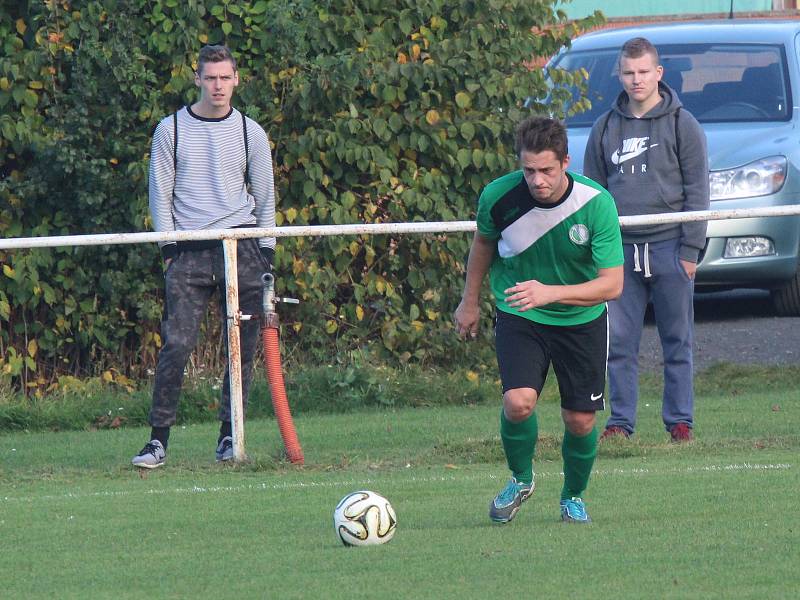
x=191, y=279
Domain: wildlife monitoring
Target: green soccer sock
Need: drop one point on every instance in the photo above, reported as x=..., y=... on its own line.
x=519, y=443
x=579, y=453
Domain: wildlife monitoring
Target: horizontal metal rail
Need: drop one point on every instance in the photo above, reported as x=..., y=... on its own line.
x=362, y=229
x=232, y=294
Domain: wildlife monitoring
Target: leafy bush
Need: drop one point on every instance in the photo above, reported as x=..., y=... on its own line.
x=378, y=112
x=95, y=403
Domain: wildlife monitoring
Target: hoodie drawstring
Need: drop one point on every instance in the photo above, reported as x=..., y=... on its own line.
x=637, y=268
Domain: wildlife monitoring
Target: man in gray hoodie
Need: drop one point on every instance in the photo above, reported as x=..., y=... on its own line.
x=650, y=153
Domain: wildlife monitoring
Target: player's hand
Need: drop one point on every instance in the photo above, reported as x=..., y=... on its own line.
x=689, y=267
x=466, y=320
x=529, y=294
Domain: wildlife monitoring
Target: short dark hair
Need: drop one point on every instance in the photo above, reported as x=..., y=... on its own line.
x=538, y=134
x=214, y=54
x=638, y=47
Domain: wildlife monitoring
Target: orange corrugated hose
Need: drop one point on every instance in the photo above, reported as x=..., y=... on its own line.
x=272, y=362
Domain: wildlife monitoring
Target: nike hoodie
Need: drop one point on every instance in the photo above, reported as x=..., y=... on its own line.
x=653, y=164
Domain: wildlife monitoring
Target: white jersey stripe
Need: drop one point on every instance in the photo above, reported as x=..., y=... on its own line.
x=534, y=225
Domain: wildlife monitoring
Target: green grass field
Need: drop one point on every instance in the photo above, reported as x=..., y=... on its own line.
x=716, y=518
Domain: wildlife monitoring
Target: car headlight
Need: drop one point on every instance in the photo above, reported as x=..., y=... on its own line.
x=759, y=178
x=748, y=247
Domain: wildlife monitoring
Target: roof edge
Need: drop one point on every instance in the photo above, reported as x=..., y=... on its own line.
x=769, y=15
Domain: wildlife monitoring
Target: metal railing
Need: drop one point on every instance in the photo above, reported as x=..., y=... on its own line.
x=229, y=236
x=362, y=228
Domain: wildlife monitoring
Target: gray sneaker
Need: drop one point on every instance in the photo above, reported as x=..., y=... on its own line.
x=225, y=449
x=506, y=504
x=151, y=456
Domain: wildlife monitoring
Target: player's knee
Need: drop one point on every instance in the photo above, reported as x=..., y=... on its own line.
x=519, y=404
x=578, y=422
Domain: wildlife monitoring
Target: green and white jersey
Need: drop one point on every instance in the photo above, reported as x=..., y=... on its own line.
x=557, y=244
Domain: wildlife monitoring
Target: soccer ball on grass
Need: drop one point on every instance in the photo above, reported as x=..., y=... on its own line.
x=364, y=518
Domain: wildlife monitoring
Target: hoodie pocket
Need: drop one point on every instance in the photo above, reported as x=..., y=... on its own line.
x=673, y=200
x=637, y=197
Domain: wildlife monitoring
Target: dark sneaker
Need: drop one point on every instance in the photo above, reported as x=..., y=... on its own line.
x=681, y=432
x=151, y=456
x=573, y=510
x=506, y=504
x=225, y=449
x=614, y=431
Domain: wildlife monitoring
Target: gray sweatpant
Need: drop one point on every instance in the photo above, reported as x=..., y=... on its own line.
x=660, y=278
x=191, y=279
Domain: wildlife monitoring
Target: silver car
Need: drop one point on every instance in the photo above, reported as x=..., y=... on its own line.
x=740, y=79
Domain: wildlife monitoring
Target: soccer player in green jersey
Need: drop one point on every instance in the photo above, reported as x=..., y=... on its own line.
x=551, y=242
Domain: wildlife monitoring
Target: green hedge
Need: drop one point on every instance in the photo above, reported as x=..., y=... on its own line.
x=378, y=112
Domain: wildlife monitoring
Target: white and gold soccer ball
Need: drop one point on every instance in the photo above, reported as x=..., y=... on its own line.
x=364, y=518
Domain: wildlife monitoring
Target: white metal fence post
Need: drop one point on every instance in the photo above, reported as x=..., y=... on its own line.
x=234, y=348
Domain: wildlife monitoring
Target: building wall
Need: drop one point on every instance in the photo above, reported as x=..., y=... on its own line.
x=613, y=9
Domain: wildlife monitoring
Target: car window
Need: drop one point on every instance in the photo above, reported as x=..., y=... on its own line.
x=715, y=82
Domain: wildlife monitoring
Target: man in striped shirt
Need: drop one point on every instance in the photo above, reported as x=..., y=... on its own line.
x=210, y=168
x=550, y=240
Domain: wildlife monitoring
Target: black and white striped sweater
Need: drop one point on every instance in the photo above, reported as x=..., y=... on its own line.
x=209, y=191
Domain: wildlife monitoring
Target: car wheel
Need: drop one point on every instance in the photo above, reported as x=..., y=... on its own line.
x=786, y=299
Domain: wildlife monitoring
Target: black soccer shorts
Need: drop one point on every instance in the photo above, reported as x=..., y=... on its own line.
x=578, y=353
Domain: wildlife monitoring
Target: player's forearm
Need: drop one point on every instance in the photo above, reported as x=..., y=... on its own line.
x=480, y=258
x=607, y=286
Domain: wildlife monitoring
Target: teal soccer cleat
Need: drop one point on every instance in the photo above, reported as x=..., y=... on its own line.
x=573, y=510
x=506, y=504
